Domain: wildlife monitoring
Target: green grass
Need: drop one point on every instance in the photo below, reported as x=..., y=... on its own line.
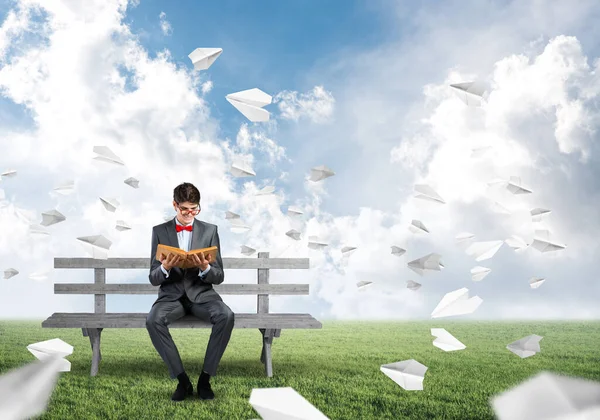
x=335, y=368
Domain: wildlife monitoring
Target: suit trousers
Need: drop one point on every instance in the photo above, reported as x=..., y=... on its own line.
x=164, y=313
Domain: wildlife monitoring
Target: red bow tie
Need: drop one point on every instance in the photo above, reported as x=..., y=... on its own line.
x=179, y=228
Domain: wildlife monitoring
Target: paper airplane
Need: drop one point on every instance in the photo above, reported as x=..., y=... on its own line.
x=294, y=211
x=25, y=391
x=538, y=214
x=132, y=182
x=110, y=204
x=526, y=347
x=315, y=243
x=478, y=273
x=10, y=272
x=66, y=188
x=237, y=226
x=231, y=215
x=96, y=245
x=55, y=347
x=428, y=262
x=294, y=234
x=8, y=174
x=470, y=93
x=246, y=250
x=38, y=230
x=409, y=374
x=480, y=151
x=52, y=217
x=456, y=303
x=250, y=102
x=416, y=226
x=283, y=404
x=121, y=225
x=348, y=250
x=549, y=396
x=203, y=58
x=413, y=285
x=516, y=242
x=269, y=189
x=499, y=208
x=397, y=251
x=483, y=250
x=464, y=237
x=514, y=186
x=241, y=170
x=319, y=173
x=362, y=285
x=425, y=192
x=107, y=155
x=536, y=282
x=40, y=275
x=445, y=340
x=543, y=243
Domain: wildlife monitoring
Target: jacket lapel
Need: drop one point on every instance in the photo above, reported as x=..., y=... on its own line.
x=197, y=233
x=172, y=234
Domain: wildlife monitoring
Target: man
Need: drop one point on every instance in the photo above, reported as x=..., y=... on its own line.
x=188, y=291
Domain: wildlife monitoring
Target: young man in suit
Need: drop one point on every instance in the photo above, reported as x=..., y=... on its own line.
x=188, y=291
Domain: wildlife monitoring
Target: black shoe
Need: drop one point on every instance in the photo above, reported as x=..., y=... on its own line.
x=205, y=392
x=183, y=390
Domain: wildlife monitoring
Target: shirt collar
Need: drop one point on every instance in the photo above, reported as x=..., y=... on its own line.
x=177, y=222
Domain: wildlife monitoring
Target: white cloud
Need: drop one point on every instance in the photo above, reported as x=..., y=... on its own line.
x=165, y=26
x=317, y=105
x=207, y=87
x=248, y=140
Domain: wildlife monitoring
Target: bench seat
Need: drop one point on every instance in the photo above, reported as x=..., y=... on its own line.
x=138, y=320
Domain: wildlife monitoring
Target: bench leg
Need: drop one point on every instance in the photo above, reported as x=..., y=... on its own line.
x=94, y=335
x=265, y=356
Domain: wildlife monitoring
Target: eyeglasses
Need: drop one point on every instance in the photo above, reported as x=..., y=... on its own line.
x=185, y=210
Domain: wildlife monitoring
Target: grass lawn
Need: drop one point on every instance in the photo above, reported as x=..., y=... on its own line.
x=335, y=368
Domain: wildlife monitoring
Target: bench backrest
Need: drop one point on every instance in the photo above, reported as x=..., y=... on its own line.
x=263, y=289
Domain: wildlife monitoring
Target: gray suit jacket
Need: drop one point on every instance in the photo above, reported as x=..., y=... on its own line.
x=186, y=281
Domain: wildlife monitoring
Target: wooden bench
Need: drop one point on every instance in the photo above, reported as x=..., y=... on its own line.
x=92, y=324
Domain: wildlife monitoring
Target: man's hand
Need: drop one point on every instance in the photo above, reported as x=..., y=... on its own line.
x=199, y=261
x=170, y=261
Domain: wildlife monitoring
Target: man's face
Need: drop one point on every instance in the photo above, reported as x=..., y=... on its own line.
x=186, y=211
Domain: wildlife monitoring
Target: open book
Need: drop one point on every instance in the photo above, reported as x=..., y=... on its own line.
x=186, y=263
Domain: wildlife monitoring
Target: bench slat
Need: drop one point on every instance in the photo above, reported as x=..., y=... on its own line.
x=138, y=320
x=148, y=289
x=144, y=263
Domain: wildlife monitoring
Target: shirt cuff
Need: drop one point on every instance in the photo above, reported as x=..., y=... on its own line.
x=202, y=274
x=164, y=270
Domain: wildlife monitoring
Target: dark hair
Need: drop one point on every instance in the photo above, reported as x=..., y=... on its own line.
x=186, y=192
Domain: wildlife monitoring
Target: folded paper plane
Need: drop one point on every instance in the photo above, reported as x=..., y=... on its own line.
x=269, y=189
x=428, y=262
x=464, y=237
x=122, y=225
x=539, y=214
x=25, y=391
x=38, y=230
x=397, y=251
x=241, y=170
x=536, y=282
x=246, y=250
x=283, y=404
x=250, y=103
x=8, y=174
x=445, y=340
x=456, y=303
x=543, y=243
x=314, y=242
x=107, y=155
x=54, y=347
x=362, y=285
x=96, y=245
x=132, y=182
x=409, y=374
x=549, y=396
x=238, y=226
x=294, y=234
x=203, y=58
x=294, y=211
x=516, y=242
x=10, y=272
x=515, y=186
x=526, y=347
x=425, y=192
x=413, y=285
x=52, y=217
x=319, y=173
x=109, y=204
x=471, y=93
x=231, y=215
x=66, y=187
x=478, y=273
x=416, y=226
x=483, y=250
x=499, y=208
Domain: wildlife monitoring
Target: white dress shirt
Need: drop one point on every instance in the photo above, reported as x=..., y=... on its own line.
x=184, y=238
